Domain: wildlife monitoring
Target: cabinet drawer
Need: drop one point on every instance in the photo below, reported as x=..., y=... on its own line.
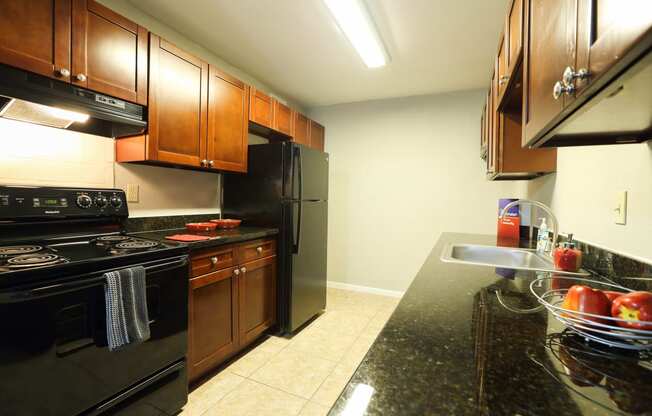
x=213, y=259
x=257, y=249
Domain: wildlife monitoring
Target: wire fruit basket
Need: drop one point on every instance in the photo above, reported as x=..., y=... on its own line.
x=606, y=331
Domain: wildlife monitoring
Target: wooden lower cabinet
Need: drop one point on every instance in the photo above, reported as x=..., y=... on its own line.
x=257, y=298
x=231, y=307
x=213, y=320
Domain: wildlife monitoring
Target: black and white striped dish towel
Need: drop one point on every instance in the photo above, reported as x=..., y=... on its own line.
x=127, y=321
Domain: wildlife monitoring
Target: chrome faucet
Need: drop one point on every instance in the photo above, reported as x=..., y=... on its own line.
x=546, y=208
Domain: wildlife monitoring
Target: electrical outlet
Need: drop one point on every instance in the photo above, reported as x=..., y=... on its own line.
x=132, y=192
x=620, y=210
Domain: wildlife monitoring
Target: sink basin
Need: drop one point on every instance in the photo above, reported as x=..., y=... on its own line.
x=503, y=257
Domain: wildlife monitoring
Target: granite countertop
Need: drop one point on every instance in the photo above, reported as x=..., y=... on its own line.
x=218, y=237
x=450, y=348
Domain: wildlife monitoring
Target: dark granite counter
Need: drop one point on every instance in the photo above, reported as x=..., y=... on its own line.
x=451, y=348
x=218, y=237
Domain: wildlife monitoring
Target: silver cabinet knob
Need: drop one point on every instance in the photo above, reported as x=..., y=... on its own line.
x=236, y=272
x=81, y=77
x=503, y=79
x=210, y=163
x=214, y=260
x=259, y=250
x=204, y=162
x=560, y=89
x=570, y=75
x=243, y=270
x=63, y=72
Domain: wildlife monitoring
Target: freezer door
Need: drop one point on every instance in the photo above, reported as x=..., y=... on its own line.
x=310, y=174
x=308, y=287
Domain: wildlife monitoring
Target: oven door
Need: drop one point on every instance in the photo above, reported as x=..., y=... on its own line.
x=54, y=358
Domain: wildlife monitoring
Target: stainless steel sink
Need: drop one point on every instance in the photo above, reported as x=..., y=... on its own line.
x=503, y=257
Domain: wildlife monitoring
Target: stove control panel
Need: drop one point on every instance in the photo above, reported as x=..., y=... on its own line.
x=19, y=202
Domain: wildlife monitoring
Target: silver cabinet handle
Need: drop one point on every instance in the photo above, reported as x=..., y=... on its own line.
x=243, y=270
x=559, y=89
x=503, y=79
x=214, y=260
x=210, y=163
x=204, y=162
x=81, y=77
x=259, y=250
x=570, y=75
x=63, y=72
x=236, y=272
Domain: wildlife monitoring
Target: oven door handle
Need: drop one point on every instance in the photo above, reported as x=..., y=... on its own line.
x=44, y=291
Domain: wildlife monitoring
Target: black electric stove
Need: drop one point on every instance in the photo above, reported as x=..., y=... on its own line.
x=55, y=246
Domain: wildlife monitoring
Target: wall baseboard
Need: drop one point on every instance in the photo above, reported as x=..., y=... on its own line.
x=365, y=289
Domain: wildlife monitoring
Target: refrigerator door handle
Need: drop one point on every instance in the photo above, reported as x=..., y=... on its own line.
x=297, y=238
x=300, y=157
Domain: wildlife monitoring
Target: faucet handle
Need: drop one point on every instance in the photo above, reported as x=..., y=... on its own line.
x=570, y=237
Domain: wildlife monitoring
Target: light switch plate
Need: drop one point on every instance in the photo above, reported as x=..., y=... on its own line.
x=132, y=192
x=620, y=210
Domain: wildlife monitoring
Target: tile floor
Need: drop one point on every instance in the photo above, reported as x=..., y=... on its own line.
x=303, y=375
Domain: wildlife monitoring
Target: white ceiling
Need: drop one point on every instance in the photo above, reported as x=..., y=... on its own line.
x=295, y=47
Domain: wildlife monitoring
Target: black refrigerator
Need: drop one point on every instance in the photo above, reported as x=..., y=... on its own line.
x=286, y=187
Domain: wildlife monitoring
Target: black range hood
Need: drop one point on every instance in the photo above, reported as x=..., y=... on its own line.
x=37, y=99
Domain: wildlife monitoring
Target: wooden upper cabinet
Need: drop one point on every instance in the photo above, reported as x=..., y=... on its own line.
x=514, y=34
x=257, y=298
x=35, y=36
x=213, y=320
x=606, y=31
x=109, y=52
x=282, y=118
x=260, y=108
x=228, y=132
x=177, y=105
x=317, y=135
x=549, y=50
x=301, y=129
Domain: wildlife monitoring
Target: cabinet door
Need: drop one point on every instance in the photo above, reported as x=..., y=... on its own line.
x=260, y=108
x=177, y=105
x=606, y=30
x=515, y=31
x=550, y=49
x=257, y=298
x=317, y=135
x=109, y=52
x=35, y=36
x=282, y=118
x=213, y=318
x=301, y=129
x=228, y=123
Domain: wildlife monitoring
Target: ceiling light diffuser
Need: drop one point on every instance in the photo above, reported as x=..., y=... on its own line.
x=354, y=20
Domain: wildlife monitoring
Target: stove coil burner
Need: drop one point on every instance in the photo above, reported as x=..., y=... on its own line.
x=34, y=260
x=18, y=250
x=112, y=238
x=136, y=245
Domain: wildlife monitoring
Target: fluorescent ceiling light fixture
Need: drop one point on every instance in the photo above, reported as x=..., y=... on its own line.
x=359, y=401
x=41, y=114
x=354, y=20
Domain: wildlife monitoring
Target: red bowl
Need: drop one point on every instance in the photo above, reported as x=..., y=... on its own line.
x=227, y=223
x=200, y=226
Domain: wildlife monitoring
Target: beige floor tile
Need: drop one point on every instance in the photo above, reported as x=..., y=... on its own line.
x=314, y=409
x=323, y=343
x=331, y=388
x=356, y=353
x=342, y=322
x=295, y=372
x=209, y=393
x=253, y=360
x=255, y=399
x=275, y=343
